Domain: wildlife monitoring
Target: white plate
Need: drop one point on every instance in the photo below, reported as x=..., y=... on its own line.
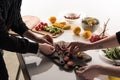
x=102, y=55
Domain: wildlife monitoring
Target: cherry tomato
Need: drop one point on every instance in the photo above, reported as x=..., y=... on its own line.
x=37, y=28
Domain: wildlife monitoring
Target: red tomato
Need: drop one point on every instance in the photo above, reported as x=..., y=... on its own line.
x=41, y=23
x=45, y=24
x=37, y=28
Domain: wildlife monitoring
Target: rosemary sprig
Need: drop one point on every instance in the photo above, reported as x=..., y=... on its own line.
x=105, y=25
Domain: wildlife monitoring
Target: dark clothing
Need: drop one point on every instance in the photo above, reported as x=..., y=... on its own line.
x=3, y=70
x=10, y=18
x=118, y=36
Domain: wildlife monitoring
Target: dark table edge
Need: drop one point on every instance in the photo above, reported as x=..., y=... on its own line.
x=23, y=66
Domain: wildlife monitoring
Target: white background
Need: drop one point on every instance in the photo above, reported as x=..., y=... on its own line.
x=102, y=9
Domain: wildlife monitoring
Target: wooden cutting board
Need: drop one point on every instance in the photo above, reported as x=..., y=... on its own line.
x=47, y=33
x=61, y=51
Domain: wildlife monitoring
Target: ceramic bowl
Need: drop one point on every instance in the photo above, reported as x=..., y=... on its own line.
x=90, y=23
x=71, y=17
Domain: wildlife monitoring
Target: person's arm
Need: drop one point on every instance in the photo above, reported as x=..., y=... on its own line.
x=109, y=42
x=45, y=39
x=92, y=71
x=12, y=43
x=110, y=70
x=22, y=29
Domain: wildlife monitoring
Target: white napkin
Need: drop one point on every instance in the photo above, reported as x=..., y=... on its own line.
x=33, y=59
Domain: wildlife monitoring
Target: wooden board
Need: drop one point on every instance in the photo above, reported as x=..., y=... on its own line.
x=47, y=33
x=61, y=51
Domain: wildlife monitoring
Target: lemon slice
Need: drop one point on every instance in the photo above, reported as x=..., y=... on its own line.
x=76, y=30
x=52, y=19
x=87, y=34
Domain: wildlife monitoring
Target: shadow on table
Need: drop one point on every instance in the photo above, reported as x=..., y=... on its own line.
x=44, y=66
x=101, y=77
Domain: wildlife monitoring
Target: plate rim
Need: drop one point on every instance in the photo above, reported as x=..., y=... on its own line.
x=102, y=55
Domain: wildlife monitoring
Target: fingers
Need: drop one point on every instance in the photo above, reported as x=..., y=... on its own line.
x=46, y=48
x=81, y=70
x=72, y=44
x=76, y=50
x=48, y=38
x=46, y=41
x=52, y=48
x=73, y=47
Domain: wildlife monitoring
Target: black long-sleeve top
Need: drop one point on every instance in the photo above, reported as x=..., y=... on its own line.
x=118, y=36
x=10, y=18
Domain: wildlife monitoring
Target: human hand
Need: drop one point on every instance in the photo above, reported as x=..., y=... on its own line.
x=46, y=48
x=75, y=47
x=89, y=72
x=48, y=38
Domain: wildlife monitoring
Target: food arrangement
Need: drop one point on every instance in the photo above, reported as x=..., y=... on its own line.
x=67, y=60
x=52, y=19
x=87, y=34
x=76, y=30
x=56, y=28
x=63, y=25
x=112, y=53
x=71, y=17
x=100, y=36
x=44, y=28
x=90, y=23
x=53, y=30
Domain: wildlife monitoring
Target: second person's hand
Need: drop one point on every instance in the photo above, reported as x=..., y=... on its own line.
x=48, y=39
x=89, y=72
x=78, y=46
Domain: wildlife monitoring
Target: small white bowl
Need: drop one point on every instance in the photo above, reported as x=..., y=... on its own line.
x=71, y=17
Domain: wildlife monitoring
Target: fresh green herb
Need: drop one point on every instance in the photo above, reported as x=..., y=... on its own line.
x=112, y=53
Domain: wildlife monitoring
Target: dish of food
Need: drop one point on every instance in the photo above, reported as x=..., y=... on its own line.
x=66, y=60
x=71, y=17
x=90, y=23
x=44, y=29
x=111, y=55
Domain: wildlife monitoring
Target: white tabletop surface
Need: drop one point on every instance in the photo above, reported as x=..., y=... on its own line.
x=101, y=9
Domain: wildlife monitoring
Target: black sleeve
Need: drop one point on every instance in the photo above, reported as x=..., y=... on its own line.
x=118, y=36
x=12, y=43
x=18, y=25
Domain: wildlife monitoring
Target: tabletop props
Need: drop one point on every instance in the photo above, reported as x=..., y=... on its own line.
x=68, y=61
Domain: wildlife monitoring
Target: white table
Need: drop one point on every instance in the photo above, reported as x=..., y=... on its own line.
x=47, y=70
x=46, y=8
